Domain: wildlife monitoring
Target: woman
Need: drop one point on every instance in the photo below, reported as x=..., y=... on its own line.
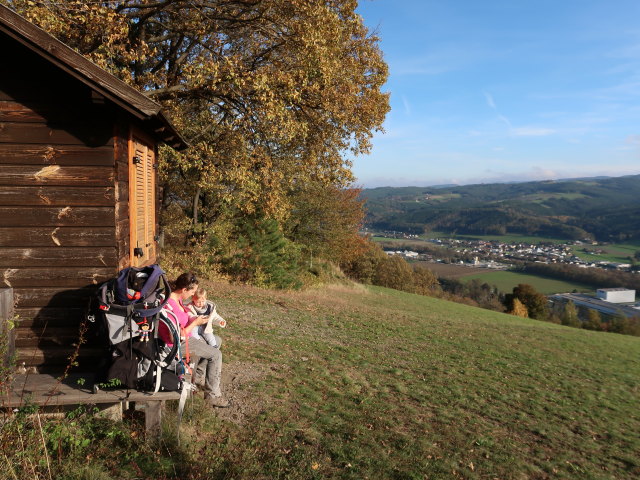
x=210, y=358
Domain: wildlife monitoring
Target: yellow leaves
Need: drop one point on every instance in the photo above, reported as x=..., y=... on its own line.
x=270, y=94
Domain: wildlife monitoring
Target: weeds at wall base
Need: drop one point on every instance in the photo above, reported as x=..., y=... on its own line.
x=78, y=446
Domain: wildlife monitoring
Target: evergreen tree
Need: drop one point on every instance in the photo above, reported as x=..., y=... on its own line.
x=264, y=256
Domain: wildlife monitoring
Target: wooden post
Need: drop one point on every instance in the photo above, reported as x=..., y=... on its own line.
x=7, y=334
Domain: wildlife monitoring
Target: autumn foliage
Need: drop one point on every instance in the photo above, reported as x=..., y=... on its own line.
x=273, y=97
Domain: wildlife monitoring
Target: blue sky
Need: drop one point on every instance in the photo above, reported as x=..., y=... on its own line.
x=505, y=90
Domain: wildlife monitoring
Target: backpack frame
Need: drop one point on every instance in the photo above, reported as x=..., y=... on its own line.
x=129, y=308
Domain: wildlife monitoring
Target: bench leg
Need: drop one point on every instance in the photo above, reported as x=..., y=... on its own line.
x=112, y=411
x=153, y=418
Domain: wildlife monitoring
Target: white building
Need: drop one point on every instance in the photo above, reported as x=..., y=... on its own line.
x=616, y=295
x=602, y=306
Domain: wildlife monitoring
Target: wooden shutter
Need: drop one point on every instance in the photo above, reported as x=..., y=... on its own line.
x=142, y=201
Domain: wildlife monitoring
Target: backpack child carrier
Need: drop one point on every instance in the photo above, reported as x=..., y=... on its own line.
x=130, y=308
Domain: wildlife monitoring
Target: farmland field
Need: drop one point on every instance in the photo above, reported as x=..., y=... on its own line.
x=452, y=270
x=610, y=253
x=505, y=281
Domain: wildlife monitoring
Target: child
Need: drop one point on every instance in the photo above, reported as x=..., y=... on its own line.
x=209, y=371
x=201, y=307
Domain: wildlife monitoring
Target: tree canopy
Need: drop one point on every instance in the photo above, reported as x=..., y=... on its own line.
x=269, y=93
x=274, y=96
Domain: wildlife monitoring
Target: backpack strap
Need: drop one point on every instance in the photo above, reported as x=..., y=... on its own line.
x=120, y=286
x=154, y=278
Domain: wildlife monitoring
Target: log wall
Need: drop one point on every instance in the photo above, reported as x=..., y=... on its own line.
x=59, y=190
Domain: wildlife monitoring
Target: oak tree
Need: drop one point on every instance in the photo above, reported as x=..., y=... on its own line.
x=269, y=93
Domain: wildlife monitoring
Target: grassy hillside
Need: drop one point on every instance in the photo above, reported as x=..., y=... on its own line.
x=381, y=384
x=354, y=383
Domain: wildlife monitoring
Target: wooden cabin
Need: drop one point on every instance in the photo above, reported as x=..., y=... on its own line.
x=78, y=189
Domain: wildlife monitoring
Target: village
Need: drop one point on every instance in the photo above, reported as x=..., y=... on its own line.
x=501, y=255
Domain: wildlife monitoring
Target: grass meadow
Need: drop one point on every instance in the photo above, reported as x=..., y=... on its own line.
x=375, y=383
x=619, y=253
x=355, y=382
x=506, y=280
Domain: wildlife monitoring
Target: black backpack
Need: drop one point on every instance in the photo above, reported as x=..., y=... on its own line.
x=129, y=313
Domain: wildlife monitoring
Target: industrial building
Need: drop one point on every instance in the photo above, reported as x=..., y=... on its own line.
x=605, y=307
x=616, y=295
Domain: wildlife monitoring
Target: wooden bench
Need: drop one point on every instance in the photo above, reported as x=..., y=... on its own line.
x=52, y=395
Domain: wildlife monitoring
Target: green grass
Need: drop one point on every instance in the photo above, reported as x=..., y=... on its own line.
x=373, y=383
x=505, y=281
x=398, y=240
x=619, y=253
x=383, y=384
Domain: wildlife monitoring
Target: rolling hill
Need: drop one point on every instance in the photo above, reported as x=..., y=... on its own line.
x=601, y=208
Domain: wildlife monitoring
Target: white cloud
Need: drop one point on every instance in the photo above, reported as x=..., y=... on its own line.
x=490, y=101
x=506, y=121
x=532, y=131
x=407, y=106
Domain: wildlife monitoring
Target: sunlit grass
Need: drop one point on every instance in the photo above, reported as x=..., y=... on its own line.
x=383, y=384
x=356, y=383
x=619, y=253
x=505, y=281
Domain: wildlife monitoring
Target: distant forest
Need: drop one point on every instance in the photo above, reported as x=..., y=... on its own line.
x=604, y=209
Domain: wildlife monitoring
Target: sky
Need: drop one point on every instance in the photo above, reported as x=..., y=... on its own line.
x=489, y=91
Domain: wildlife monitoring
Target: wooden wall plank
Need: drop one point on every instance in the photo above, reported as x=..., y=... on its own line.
x=45, y=111
x=56, y=359
x=24, y=175
x=65, y=277
x=57, y=196
x=58, y=257
x=52, y=297
x=50, y=337
x=50, y=154
x=49, y=316
x=36, y=133
x=17, y=112
x=57, y=236
x=56, y=216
